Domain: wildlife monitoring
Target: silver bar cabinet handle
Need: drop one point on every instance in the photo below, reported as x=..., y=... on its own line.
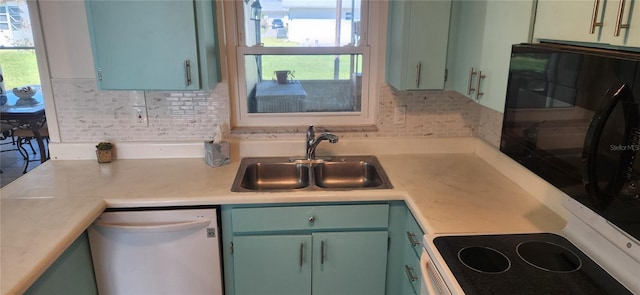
x=418, y=70
x=619, y=24
x=321, y=252
x=187, y=70
x=409, y=271
x=594, y=17
x=479, y=77
x=412, y=239
x=301, y=253
x=469, y=89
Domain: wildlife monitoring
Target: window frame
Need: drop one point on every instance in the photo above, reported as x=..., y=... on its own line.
x=236, y=51
x=8, y=13
x=33, y=6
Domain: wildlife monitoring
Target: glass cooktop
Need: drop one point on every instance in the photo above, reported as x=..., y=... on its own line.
x=523, y=264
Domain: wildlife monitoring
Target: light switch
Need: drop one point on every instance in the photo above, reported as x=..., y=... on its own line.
x=137, y=98
x=399, y=115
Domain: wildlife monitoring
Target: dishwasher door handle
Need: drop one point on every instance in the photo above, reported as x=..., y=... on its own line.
x=153, y=227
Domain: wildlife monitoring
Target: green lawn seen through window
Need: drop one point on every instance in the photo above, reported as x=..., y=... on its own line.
x=19, y=68
x=304, y=67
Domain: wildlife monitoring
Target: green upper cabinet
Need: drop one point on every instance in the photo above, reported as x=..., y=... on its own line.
x=589, y=21
x=481, y=36
x=417, y=37
x=568, y=20
x=153, y=45
x=467, y=21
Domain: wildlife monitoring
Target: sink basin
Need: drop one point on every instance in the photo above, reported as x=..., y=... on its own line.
x=354, y=174
x=265, y=175
x=290, y=174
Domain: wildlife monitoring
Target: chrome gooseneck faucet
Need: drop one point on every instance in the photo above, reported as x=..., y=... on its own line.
x=312, y=141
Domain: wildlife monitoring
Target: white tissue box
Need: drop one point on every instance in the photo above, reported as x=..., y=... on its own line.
x=216, y=154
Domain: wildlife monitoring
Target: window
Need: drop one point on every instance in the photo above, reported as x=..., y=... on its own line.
x=302, y=62
x=17, y=52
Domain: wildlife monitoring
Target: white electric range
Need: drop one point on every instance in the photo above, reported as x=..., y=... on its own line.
x=589, y=256
x=572, y=117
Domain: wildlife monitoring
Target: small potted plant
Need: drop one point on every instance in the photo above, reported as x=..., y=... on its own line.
x=103, y=152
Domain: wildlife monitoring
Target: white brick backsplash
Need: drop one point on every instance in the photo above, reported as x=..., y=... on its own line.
x=86, y=114
x=490, y=126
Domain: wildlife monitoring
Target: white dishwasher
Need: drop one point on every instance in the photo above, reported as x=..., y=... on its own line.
x=163, y=251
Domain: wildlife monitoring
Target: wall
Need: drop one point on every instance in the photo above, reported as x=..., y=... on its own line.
x=87, y=115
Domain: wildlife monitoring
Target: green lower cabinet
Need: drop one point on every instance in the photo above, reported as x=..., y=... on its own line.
x=407, y=288
x=412, y=274
x=330, y=263
x=349, y=263
x=314, y=248
x=412, y=251
x=272, y=264
x=71, y=273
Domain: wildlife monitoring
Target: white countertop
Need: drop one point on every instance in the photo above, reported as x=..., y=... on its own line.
x=453, y=188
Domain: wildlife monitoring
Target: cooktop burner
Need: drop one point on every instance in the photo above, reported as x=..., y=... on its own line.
x=548, y=256
x=523, y=264
x=484, y=259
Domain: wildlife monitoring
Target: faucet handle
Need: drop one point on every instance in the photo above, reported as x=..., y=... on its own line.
x=311, y=134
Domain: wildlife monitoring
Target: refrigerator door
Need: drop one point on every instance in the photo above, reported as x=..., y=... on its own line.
x=157, y=252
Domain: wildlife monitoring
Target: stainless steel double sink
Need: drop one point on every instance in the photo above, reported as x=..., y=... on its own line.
x=291, y=174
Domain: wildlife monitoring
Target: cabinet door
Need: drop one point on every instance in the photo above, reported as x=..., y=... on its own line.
x=506, y=23
x=570, y=20
x=412, y=249
x=272, y=264
x=417, y=41
x=629, y=15
x=466, y=43
x=349, y=263
x=144, y=44
x=573, y=21
x=482, y=35
x=414, y=234
x=397, y=47
x=427, y=55
x=412, y=273
x=71, y=273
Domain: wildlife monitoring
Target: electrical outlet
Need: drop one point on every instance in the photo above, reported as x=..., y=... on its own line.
x=399, y=115
x=140, y=116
